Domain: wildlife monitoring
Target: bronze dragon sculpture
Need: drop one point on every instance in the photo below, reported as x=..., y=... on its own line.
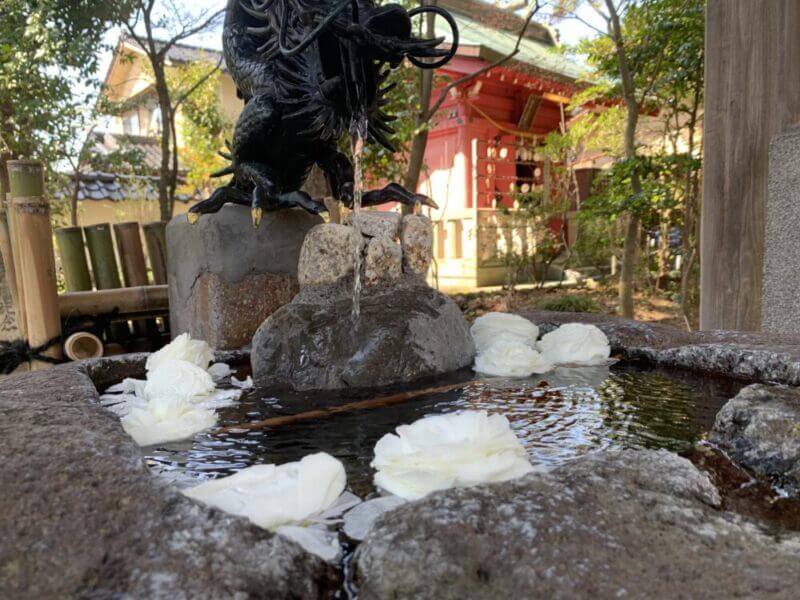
x=307, y=70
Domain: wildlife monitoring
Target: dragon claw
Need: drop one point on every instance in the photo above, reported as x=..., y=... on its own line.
x=192, y=217
x=257, y=214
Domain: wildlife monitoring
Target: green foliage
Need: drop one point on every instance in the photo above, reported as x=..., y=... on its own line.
x=48, y=60
x=204, y=128
x=570, y=304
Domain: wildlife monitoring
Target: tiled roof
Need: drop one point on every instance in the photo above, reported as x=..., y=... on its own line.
x=148, y=147
x=109, y=186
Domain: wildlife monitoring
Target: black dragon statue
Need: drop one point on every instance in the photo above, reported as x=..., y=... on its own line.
x=307, y=70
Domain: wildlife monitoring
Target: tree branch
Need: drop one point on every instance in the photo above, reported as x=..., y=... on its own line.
x=500, y=61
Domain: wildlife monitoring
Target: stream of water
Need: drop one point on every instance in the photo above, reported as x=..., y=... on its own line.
x=358, y=136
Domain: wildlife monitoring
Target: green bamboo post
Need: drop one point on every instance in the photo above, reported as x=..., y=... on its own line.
x=36, y=260
x=73, y=259
x=156, y=239
x=134, y=268
x=104, y=268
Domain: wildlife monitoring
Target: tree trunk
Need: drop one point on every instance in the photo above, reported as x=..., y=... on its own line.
x=165, y=170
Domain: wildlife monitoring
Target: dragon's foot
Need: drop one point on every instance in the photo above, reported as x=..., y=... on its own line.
x=395, y=193
x=262, y=202
x=216, y=201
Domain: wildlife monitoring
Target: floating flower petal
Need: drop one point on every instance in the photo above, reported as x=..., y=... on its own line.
x=271, y=496
x=166, y=420
x=444, y=451
x=185, y=348
x=485, y=329
x=509, y=357
x=576, y=343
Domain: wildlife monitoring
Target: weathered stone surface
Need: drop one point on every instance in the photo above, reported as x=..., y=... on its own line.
x=226, y=276
x=416, y=236
x=376, y=223
x=405, y=331
x=760, y=429
x=328, y=254
x=634, y=524
x=383, y=261
x=780, y=310
x=754, y=356
x=81, y=516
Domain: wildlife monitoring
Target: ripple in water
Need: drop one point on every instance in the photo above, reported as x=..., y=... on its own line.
x=558, y=416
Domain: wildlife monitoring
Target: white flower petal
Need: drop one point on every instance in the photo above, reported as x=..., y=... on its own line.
x=319, y=541
x=271, y=496
x=508, y=357
x=185, y=348
x=220, y=371
x=178, y=379
x=166, y=420
x=575, y=343
x=488, y=327
x=444, y=451
x=247, y=384
x=359, y=521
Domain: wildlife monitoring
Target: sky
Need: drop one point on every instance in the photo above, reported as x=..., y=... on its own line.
x=570, y=30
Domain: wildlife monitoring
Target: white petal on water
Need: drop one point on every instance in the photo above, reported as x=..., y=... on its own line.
x=183, y=347
x=343, y=503
x=128, y=386
x=218, y=399
x=178, y=379
x=121, y=404
x=247, y=384
x=444, y=451
x=271, y=495
x=488, y=327
x=359, y=521
x=220, y=371
x=317, y=540
x=507, y=356
x=577, y=344
x=166, y=420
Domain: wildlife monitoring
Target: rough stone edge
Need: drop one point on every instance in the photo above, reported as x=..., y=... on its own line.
x=194, y=524
x=751, y=356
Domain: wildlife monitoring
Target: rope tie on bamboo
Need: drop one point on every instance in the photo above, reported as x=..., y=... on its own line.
x=17, y=352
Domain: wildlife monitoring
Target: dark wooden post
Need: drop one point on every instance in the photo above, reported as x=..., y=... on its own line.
x=156, y=239
x=752, y=93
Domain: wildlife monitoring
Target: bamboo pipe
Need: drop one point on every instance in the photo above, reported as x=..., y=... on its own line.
x=13, y=235
x=6, y=248
x=104, y=267
x=134, y=268
x=83, y=345
x=36, y=264
x=343, y=408
x=129, y=301
x=73, y=259
x=156, y=239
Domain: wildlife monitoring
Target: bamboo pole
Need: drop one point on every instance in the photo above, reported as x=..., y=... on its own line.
x=134, y=268
x=156, y=239
x=344, y=408
x=129, y=301
x=6, y=249
x=13, y=235
x=104, y=267
x=73, y=259
x=83, y=345
x=36, y=264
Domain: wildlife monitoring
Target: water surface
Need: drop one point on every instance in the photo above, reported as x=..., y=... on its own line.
x=558, y=416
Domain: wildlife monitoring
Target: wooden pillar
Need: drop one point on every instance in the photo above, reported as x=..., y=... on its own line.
x=134, y=268
x=104, y=268
x=36, y=262
x=752, y=93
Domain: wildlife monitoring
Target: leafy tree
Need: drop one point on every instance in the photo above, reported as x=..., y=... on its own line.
x=49, y=52
x=157, y=26
x=647, y=55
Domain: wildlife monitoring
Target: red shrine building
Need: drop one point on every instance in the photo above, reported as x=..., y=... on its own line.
x=481, y=151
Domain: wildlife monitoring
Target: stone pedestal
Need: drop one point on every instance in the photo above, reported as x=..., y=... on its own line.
x=226, y=276
x=780, y=306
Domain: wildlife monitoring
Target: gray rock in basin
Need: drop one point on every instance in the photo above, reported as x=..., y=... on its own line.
x=81, y=516
x=405, y=331
x=226, y=276
x=632, y=524
x=328, y=254
x=760, y=429
x=376, y=223
x=416, y=236
x=383, y=261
